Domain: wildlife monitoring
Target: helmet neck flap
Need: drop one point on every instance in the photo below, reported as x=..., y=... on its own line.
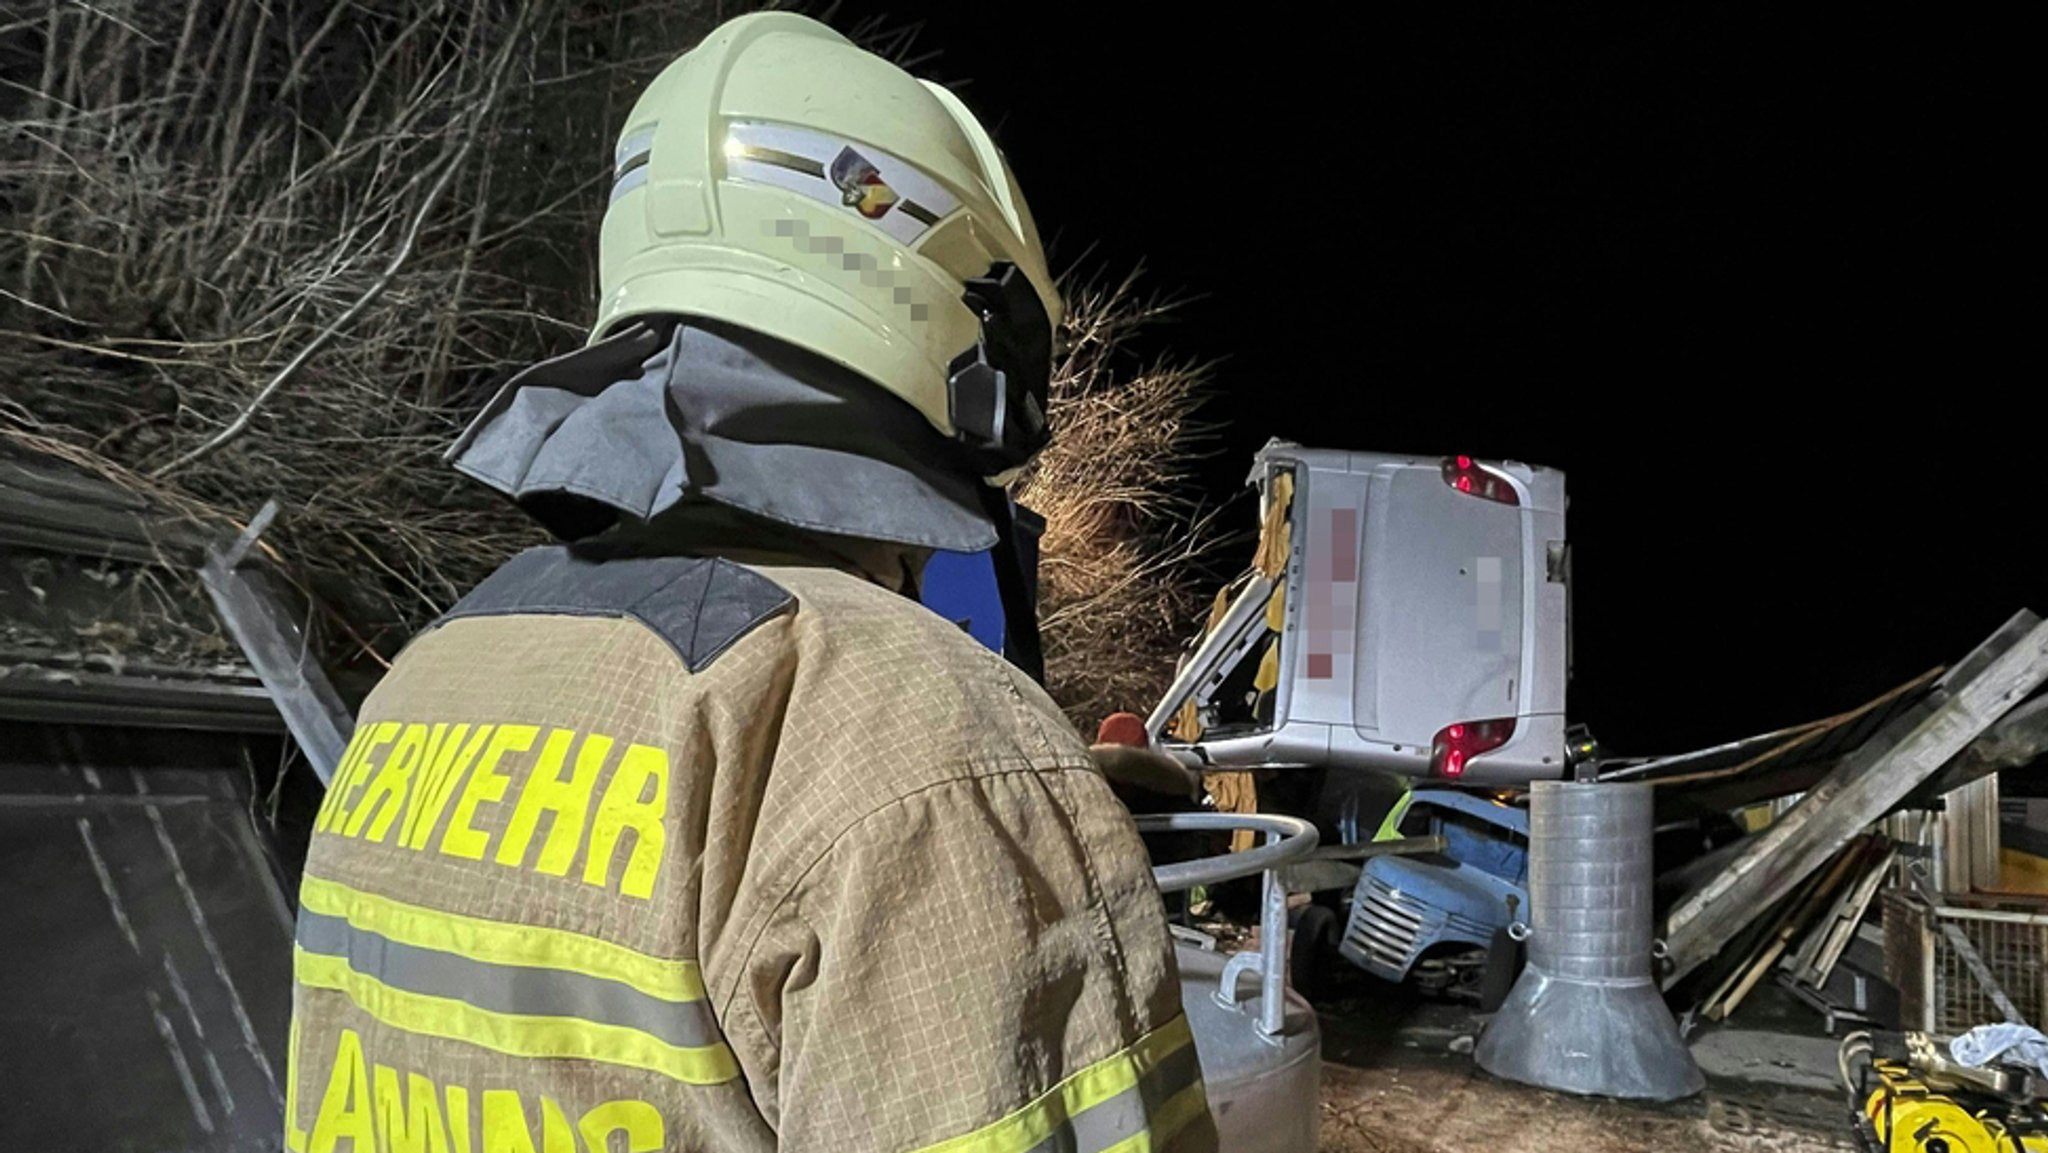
x=680, y=423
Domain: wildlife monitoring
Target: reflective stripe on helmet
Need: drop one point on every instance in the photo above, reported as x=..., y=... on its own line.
x=891, y=193
x=514, y=989
x=1139, y=1098
x=634, y=145
x=630, y=159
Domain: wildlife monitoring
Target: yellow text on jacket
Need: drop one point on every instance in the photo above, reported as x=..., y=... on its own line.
x=480, y=791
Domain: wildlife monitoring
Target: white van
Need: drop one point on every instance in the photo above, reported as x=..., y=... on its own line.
x=1407, y=614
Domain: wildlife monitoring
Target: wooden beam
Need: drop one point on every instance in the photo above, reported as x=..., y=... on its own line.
x=1866, y=785
x=1795, y=921
x=2019, y=738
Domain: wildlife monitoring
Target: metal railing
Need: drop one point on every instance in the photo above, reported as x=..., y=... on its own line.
x=1288, y=840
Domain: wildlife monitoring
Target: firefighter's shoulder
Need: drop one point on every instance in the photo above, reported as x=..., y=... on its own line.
x=699, y=606
x=915, y=683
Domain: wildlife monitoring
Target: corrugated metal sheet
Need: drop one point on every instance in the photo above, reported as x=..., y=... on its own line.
x=48, y=504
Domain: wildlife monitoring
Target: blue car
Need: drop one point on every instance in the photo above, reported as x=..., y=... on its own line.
x=1438, y=916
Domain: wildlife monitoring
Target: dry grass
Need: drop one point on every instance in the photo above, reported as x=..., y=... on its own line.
x=279, y=248
x=1123, y=540
x=257, y=248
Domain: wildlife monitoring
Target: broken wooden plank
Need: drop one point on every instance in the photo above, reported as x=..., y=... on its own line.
x=1815, y=936
x=1795, y=919
x=1835, y=936
x=1747, y=958
x=1867, y=783
x=1711, y=1007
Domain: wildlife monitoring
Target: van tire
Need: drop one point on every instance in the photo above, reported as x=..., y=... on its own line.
x=1503, y=965
x=1315, y=949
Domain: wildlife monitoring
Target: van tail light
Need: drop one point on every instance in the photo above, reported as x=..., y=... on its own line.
x=1456, y=745
x=1474, y=479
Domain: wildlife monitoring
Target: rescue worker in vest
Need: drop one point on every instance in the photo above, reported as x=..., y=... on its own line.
x=696, y=831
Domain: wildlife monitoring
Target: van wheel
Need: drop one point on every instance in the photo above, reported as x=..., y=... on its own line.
x=1315, y=949
x=1503, y=965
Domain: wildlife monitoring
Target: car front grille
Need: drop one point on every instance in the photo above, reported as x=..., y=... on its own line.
x=1385, y=926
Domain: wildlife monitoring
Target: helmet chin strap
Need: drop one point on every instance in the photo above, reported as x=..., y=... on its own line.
x=1020, y=608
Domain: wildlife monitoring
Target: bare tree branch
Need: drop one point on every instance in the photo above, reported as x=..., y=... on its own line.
x=376, y=287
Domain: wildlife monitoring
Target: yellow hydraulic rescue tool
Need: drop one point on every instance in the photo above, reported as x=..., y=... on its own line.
x=1910, y=1098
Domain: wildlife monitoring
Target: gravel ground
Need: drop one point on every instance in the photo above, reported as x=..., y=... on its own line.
x=1398, y=1077
x=1456, y=1109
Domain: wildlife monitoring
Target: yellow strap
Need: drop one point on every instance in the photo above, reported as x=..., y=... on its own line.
x=1220, y=607
x=1274, y=534
x=499, y=943
x=514, y=1034
x=1267, y=678
x=1235, y=792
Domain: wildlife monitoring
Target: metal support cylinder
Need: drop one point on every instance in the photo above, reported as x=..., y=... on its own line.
x=1586, y=1015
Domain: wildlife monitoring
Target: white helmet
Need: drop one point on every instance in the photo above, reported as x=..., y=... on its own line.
x=782, y=180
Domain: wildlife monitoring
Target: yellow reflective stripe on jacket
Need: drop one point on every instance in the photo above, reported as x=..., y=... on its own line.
x=1131, y=1102
x=513, y=1034
x=505, y=988
x=504, y=944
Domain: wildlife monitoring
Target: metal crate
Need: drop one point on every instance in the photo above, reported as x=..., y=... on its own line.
x=1937, y=994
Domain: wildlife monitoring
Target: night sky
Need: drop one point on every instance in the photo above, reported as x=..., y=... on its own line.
x=1765, y=283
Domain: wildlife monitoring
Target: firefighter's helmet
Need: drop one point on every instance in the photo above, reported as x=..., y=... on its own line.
x=781, y=179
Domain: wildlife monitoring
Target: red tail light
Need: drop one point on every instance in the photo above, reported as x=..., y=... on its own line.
x=1456, y=745
x=1475, y=479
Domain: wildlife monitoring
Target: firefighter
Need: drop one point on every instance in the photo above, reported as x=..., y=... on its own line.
x=694, y=830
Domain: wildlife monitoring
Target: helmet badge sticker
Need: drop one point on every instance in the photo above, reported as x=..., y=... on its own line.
x=888, y=193
x=861, y=186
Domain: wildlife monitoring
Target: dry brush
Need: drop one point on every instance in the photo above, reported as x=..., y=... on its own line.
x=284, y=248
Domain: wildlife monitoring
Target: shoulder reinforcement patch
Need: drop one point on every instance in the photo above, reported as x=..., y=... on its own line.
x=699, y=605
